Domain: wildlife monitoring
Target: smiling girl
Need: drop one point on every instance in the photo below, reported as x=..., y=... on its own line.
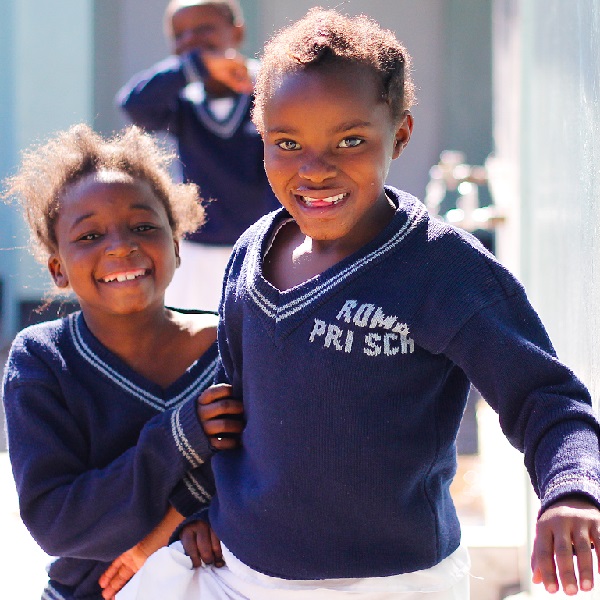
x=104, y=439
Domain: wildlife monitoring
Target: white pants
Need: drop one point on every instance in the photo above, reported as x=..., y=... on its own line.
x=168, y=574
x=198, y=281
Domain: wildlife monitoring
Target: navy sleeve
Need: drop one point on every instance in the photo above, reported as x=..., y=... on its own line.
x=544, y=410
x=195, y=491
x=150, y=98
x=70, y=509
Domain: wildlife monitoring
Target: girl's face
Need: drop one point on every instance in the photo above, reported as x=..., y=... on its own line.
x=329, y=140
x=203, y=27
x=115, y=245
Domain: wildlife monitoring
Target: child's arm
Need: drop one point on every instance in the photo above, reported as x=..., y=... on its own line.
x=63, y=489
x=547, y=413
x=124, y=567
x=150, y=97
x=570, y=527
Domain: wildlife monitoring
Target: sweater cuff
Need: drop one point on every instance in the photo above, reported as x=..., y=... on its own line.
x=188, y=434
x=195, y=491
x=572, y=484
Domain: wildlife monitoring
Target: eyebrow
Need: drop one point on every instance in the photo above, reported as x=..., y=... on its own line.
x=89, y=215
x=341, y=128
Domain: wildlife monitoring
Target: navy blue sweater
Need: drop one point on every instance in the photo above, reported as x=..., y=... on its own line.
x=98, y=451
x=354, y=384
x=224, y=157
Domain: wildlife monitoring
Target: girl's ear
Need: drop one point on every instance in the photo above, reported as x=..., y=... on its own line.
x=403, y=133
x=177, y=257
x=57, y=273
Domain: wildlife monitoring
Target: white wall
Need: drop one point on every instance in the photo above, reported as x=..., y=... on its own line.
x=547, y=133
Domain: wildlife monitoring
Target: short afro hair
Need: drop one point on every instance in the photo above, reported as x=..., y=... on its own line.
x=47, y=171
x=323, y=37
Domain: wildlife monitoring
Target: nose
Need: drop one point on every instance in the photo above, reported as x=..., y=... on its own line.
x=120, y=244
x=317, y=168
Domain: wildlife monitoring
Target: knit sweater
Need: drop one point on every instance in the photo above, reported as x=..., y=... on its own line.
x=354, y=384
x=98, y=451
x=223, y=156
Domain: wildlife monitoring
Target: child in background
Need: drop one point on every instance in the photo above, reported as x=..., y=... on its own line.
x=351, y=324
x=202, y=96
x=104, y=439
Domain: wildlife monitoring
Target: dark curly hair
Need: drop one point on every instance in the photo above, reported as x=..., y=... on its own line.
x=323, y=37
x=47, y=171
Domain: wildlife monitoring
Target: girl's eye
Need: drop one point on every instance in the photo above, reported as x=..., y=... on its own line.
x=350, y=142
x=288, y=145
x=145, y=227
x=88, y=237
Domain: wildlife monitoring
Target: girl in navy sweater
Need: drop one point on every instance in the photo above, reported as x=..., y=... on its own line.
x=351, y=325
x=104, y=439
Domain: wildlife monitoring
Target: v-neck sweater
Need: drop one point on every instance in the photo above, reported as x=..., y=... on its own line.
x=97, y=450
x=354, y=384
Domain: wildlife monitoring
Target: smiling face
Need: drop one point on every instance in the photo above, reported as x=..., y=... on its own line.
x=116, y=249
x=329, y=141
x=203, y=27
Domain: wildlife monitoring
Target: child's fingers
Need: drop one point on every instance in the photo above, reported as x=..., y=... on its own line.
x=542, y=560
x=224, y=434
x=204, y=543
x=216, y=548
x=223, y=427
x=215, y=392
x=565, y=563
x=123, y=575
x=582, y=546
x=226, y=406
x=199, y=544
x=188, y=541
x=223, y=443
x=109, y=573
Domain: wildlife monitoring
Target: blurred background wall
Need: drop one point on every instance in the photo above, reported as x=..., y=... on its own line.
x=546, y=171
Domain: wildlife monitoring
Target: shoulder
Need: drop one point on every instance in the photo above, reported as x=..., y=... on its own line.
x=256, y=234
x=196, y=330
x=44, y=336
x=36, y=347
x=195, y=321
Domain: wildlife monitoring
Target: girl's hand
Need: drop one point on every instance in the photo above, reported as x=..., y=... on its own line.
x=121, y=570
x=124, y=567
x=568, y=528
x=221, y=416
x=201, y=544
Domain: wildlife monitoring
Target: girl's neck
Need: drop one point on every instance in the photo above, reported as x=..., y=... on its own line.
x=132, y=337
x=158, y=344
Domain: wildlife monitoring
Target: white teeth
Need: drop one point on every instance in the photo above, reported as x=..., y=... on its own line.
x=123, y=277
x=330, y=199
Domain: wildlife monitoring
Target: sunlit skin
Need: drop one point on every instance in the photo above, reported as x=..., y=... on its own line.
x=329, y=141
